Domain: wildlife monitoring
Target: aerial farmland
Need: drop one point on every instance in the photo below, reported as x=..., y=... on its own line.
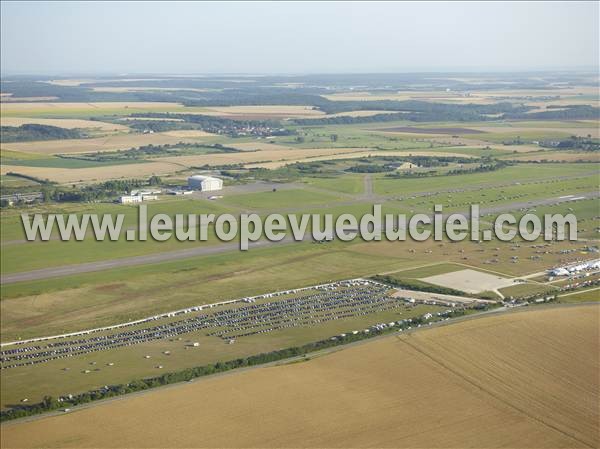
x=299, y=258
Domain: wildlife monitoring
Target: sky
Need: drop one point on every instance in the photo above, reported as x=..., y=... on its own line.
x=296, y=37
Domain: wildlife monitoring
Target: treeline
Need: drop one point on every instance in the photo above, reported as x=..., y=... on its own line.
x=204, y=120
x=284, y=97
x=430, y=161
x=151, y=150
x=96, y=192
x=30, y=132
x=23, y=88
x=412, y=110
x=574, y=142
x=30, y=178
x=571, y=112
x=215, y=125
x=370, y=164
x=371, y=168
x=482, y=168
x=49, y=403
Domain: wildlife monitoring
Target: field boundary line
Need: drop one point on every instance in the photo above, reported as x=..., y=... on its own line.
x=498, y=397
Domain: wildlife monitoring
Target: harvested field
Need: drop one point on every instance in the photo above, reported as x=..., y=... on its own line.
x=75, y=175
x=469, y=141
x=433, y=96
x=470, y=281
x=68, y=109
x=541, y=97
x=523, y=93
x=267, y=155
x=421, y=389
x=258, y=145
x=148, y=89
x=108, y=143
x=146, y=119
x=359, y=113
x=565, y=101
x=63, y=123
x=562, y=156
x=71, y=82
x=78, y=82
x=414, y=130
x=188, y=133
x=9, y=98
x=557, y=128
x=262, y=112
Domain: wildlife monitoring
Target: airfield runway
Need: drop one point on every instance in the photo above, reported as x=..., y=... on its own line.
x=66, y=270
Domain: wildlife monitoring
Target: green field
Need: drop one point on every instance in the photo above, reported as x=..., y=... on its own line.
x=518, y=173
x=587, y=295
x=527, y=289
x=351, y=184
x=129, y=362
x=280, y=199
x=327, y=198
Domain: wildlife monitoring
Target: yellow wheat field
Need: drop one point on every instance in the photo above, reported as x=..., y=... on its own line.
x=63, y=123
x=262, y=112
x=95, y=174
x=106, y=143
x=519, y=380
x=188, y=133
x=110, y=107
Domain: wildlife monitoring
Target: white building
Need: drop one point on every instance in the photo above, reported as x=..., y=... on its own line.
x=134, y=199
x=130, y=199
x=204, y=183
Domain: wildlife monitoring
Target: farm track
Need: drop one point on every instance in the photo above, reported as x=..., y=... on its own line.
x=67, y=270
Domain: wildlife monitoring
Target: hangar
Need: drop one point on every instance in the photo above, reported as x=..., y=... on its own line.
x=204, y=183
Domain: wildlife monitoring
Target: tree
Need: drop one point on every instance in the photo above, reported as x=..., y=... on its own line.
x=49, y=402
x=154, y=181
x=47, y=194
